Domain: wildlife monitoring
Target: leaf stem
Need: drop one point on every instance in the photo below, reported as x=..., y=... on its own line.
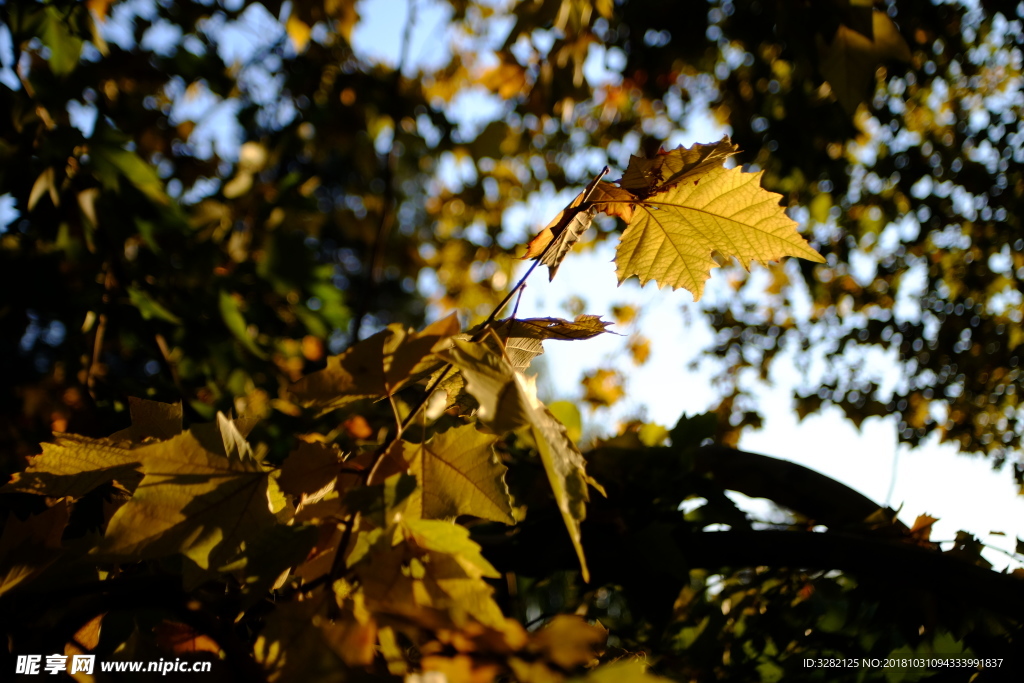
x=338, y=565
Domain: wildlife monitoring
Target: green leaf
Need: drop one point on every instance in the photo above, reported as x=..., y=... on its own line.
x=191, y=500
x=459, y=474
x=65, y=46
x=112, y=162
x=377, y=366
x=231, y=313
x=509, y=401
x=149, y=307
x=673, y=233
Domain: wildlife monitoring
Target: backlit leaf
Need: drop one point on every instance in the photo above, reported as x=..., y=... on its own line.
x=295, y=644
x=430, y=565
x=149, y=307
x=613, y=200
x=569, y=641
x=113, y=162
x=457, y=569
x=603, y=387
x=922, y=527
x=507, y=79
x=65, y=46
x=73, y=465
x=181, y=639
x=673, y=233
x=310, y=471
x=45, y=184
x=299, y=32
x=267, y=558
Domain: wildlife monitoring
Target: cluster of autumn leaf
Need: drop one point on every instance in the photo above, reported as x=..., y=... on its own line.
x=681, y=208
x=364, y=549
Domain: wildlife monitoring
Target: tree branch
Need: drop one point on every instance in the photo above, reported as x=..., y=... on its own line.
x=788, y=484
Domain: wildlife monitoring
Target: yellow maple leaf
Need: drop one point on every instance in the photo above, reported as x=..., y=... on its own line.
x=603, y=388
x=673, y=233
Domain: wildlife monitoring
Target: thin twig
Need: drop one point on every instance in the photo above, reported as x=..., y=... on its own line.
x=338, y=566
x=101, y=330
x=379, y=456
x=515, y=309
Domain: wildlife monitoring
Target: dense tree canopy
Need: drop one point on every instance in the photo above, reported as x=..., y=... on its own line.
x=223, y=204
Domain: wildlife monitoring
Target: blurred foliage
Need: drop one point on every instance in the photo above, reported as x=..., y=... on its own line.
x=212, y=198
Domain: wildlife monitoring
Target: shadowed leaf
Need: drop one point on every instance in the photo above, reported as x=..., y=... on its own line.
x=459, y=474
x=28, y=547
x=523, y=338
x=310, y=471
x=644, y=177
x=151, y=419
x=74, y=465
x=849, y=61
x=190, y=500
x=377, y=366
